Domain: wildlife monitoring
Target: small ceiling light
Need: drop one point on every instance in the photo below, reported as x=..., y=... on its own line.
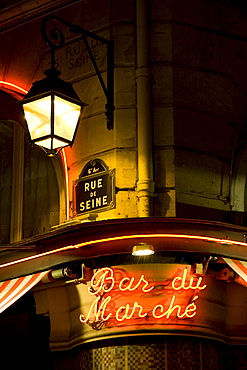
x=52, y=110
x=143, y=249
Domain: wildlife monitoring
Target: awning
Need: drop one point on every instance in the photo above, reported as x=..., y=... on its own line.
x=12, y=290
x=240, y=267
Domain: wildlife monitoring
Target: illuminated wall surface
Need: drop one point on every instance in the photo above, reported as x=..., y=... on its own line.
x=120, y=298
x=146, y=313
x=150, y=298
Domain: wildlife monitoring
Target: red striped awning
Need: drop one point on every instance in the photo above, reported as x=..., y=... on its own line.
x=12, y=290
x=240, y=267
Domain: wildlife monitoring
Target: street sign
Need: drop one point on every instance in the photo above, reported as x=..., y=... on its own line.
x=94, y=190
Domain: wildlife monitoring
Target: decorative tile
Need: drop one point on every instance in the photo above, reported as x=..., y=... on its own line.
x=183, y=354
x=146, y=356
x=167, y=353
x=211, y=355
x=109, y=358
x=85, y=360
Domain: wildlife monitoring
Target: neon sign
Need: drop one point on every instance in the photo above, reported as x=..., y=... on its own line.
x=13, y=85
x=122, y=237
x=174, y=298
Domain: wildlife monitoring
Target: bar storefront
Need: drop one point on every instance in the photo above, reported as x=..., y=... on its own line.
x=95, y=293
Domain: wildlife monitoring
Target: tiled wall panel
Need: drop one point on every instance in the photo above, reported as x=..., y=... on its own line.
x=154, y=353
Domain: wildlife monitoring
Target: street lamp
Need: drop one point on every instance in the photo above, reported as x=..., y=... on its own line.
x=52, y=108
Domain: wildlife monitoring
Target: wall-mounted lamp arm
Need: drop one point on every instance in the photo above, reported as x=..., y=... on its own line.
x=57, y=40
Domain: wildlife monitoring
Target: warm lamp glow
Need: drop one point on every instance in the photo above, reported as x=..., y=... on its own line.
x=143, y=249
x=38, y=116
x=52, y=110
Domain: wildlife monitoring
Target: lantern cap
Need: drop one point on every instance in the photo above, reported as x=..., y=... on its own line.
x=52, y=85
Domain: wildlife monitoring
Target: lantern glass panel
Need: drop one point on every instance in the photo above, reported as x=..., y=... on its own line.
x=38, y=117
x=51, y=143
x=66, y=116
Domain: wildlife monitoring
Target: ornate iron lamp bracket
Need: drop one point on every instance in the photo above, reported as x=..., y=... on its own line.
x=56, y=40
